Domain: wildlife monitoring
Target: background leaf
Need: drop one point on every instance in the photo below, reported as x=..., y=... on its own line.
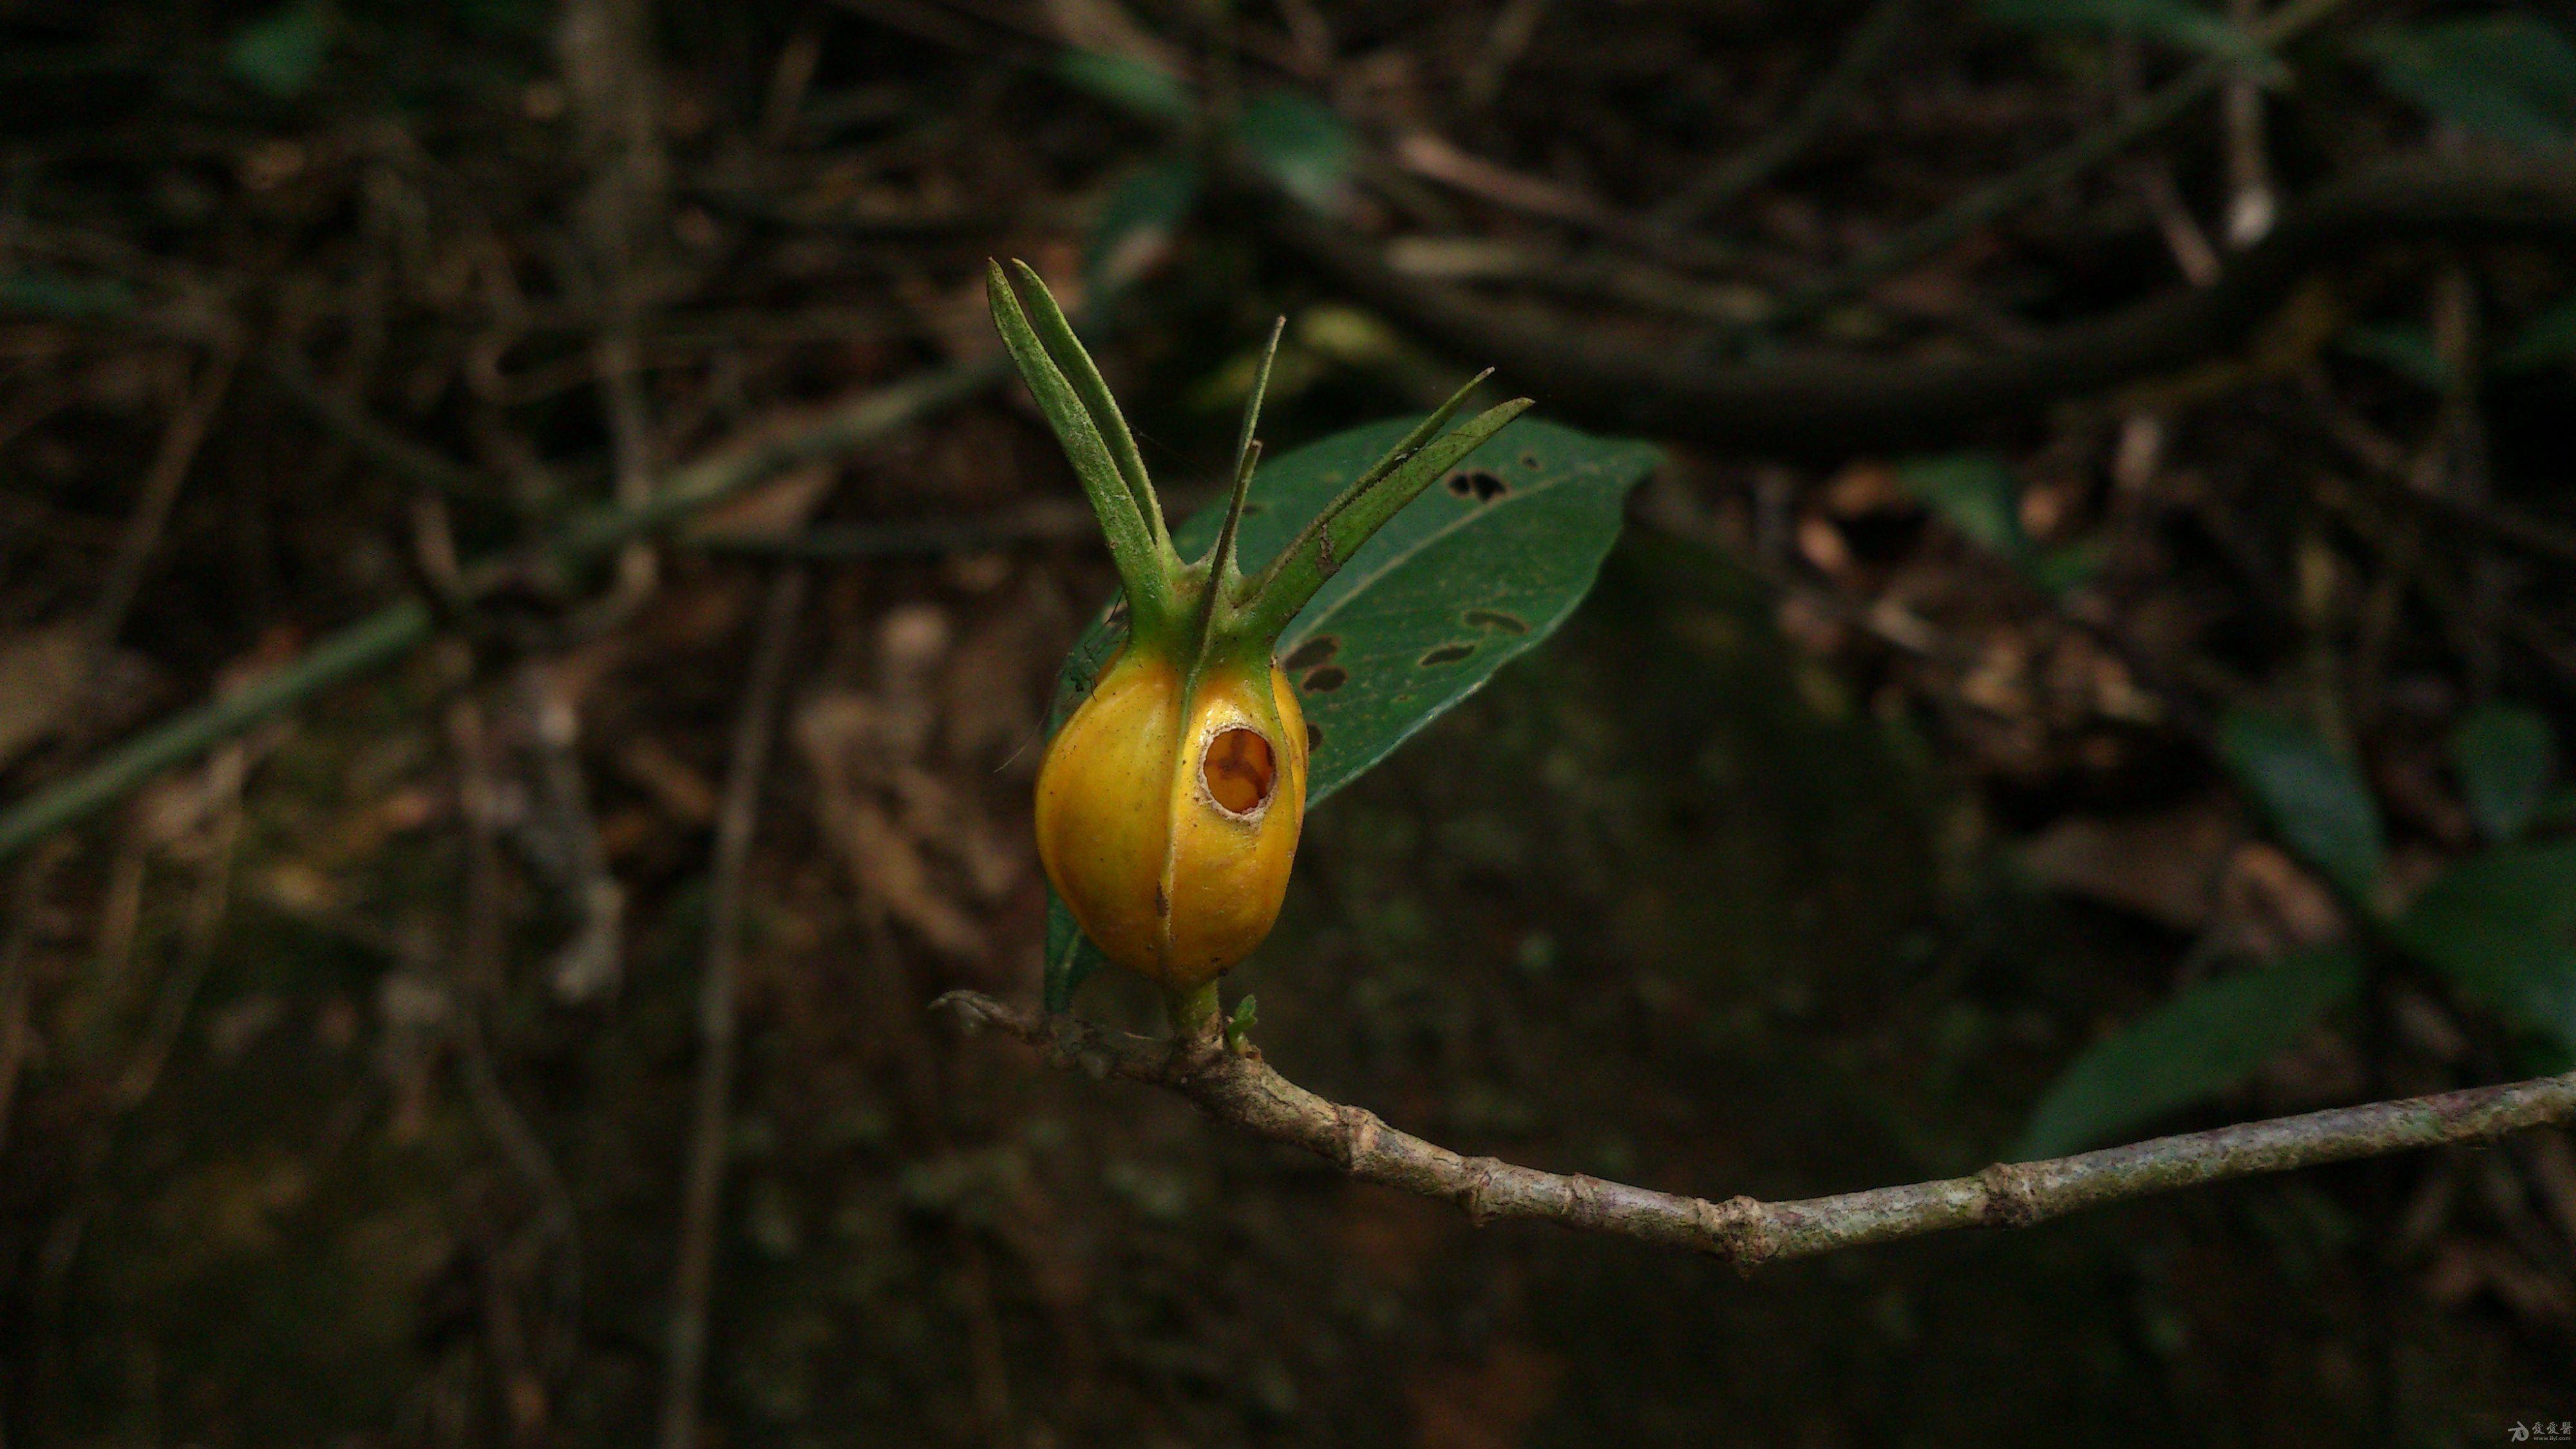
x=280, y=53
x=53, y=294
x=2202, y=1042
x=2502, y=927
x=1070, y=956
x=2311, y=791
x=1302, y=143
x=2402, y=348
x=2508, y=76
x=1129, y=84
x=2545, y=339
x=1480, y=568
x=2175, y=22
x=2504, y=755
x=1137, y=220
x=1975, y=493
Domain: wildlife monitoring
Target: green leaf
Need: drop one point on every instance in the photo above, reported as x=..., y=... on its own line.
x=1479, y=569
x=1137, y=220
x=2504, y=755
x=52, y=294
x=1129, y=84
x=2508, y=76
x=1070, y=956
x=2313, y=794
x=2402, y=349
x=1976, y=493
x=2545, y=339
x=1482, y=566
x=2174, y=22
x=518, y=17
x=280, y=53
x=2066, y=567
x=1304, y=144
x=2202, y=1042
x=2502, y=926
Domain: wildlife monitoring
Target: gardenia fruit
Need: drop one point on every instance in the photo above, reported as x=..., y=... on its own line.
x=1168, y=816
x=1169, y=803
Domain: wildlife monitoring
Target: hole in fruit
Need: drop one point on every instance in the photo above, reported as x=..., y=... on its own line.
x=1314, y=738
x=1448, y=653
x=1496, y=619
x=1239, y=770
x=1311, y=653
x=1326, y=679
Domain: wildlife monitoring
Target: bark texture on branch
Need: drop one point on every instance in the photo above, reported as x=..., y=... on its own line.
x=1244, y=1091
x=1832, y=404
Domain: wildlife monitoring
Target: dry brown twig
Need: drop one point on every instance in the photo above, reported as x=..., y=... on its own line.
x=1835, y=403
x=1241, y=1089
x=180, y=442
x=694, y=1275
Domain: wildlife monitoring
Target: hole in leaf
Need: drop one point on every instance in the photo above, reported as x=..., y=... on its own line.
x=1530, y=461
x=1448, y=653
x=1326, y=679
x=1250, y=508
x=1313, y=652
x=1478, y=484
x=1314, y=737
x=1496, y=619
x=1240, y=771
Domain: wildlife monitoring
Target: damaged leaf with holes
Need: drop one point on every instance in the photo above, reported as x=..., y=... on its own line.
x=1479, y=568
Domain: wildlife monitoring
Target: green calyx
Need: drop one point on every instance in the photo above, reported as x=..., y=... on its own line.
x=1208, y=611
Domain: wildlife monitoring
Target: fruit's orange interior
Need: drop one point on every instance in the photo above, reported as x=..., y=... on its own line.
x=1240, y=770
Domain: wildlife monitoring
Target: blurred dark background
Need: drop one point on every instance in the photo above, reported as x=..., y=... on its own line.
x=347, y=1067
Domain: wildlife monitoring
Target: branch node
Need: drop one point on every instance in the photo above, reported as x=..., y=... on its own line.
x=1359, y=1129
x=1474, y=1195
x=1737, y=1230
x=2006, y=1199
x=1583, y=1201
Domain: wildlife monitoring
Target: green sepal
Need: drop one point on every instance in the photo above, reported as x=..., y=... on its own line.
x=1272, y=600
x=1137, y=539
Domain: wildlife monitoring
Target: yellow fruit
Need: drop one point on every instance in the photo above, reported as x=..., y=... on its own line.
x=1169, y=804
x=1167, y=817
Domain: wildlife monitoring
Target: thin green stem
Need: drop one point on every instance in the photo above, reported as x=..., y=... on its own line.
x=1194, y=1013
x=1245, y=448
x=1218, y=611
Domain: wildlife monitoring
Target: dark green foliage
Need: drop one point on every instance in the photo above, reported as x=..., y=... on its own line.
x=1485, y=564
x=2311, y=792
x=2203, y=1041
